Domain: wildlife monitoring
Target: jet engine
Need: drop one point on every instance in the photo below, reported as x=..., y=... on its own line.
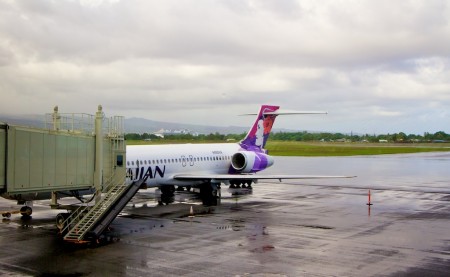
x=249, y=162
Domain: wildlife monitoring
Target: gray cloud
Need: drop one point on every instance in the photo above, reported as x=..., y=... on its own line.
x=375, y=66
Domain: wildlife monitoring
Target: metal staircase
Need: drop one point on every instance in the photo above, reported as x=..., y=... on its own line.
x=88, y=222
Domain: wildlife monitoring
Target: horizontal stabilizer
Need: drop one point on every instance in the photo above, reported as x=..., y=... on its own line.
x=288, y=113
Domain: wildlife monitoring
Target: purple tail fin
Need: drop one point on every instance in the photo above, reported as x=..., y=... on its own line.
x=259, y=133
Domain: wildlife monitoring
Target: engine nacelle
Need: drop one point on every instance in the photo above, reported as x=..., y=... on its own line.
x=249, y=162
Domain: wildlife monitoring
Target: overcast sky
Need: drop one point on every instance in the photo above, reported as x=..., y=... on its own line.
x=375, y=66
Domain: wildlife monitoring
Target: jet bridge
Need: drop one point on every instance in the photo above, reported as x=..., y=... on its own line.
x=74, y=152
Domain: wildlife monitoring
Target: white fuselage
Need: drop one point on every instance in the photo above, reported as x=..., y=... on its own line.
x=160, y=163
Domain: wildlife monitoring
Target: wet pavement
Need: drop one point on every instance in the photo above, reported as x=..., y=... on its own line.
x=295, y=228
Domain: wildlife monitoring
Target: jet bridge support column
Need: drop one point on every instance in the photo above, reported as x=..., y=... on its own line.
x=54, y=202
x=56, y=119
x=98, y=173
x=56, y=126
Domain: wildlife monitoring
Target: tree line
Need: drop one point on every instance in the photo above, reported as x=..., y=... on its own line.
x=396, y=137
x=303, y=136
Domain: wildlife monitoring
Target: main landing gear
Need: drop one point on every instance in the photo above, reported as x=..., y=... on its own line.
x=234, y=184
x=167, y=190
x=167, y=195
x=210, y=193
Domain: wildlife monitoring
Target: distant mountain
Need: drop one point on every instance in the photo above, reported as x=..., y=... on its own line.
x=37, y=121
x=139, y=125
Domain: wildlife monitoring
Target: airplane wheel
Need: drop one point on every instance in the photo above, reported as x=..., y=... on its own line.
x=208, y=191
x=26, y=211
x=168, y=190
x=7, y=215
x=60, y=218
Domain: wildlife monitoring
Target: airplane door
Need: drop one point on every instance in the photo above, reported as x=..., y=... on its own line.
x=183, y=161
x=191, y=160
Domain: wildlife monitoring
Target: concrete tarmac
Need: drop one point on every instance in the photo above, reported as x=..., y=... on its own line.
x=298, y=228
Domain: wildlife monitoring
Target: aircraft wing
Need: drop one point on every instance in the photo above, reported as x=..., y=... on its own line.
x=223, y=177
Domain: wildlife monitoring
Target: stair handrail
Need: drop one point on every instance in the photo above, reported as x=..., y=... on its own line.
x=76, y=215
x=112, y=183
x=93, y=210
x=91, y=224
x=73, y=217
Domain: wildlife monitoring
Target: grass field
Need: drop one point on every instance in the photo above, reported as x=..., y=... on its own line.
x=294, y=148
x=288, y=148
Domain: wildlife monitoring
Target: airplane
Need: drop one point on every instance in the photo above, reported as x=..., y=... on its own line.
x=203, y=166
x=206, y=166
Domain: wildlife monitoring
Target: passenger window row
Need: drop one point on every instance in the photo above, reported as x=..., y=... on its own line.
x=178, y=160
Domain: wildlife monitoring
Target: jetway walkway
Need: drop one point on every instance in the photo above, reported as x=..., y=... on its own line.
x=73, y=154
